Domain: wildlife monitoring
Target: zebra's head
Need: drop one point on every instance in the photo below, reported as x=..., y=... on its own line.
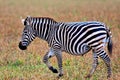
x=28, y=34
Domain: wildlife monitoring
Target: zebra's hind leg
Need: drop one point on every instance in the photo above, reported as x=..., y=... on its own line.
x=94, y=65
x=46, y=57
x=102, y=54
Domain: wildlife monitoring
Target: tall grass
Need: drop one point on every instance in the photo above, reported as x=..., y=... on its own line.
x=27, y=65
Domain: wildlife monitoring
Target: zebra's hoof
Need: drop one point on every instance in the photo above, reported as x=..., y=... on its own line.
x=108, y=76
x=88, y=76
x=59, y=75
x=53, y=69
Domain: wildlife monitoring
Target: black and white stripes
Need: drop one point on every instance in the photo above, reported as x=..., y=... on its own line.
x=76, y=38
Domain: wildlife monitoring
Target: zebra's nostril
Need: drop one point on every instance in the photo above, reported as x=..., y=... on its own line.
x=22, y=47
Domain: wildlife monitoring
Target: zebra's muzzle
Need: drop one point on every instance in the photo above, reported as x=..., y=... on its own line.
x=22, y=47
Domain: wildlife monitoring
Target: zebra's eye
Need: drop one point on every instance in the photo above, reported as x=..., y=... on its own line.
x=25, y=32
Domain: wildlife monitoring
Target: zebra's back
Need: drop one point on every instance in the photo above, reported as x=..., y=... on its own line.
x=79, y=37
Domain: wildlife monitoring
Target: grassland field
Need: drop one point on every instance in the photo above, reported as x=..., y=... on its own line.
x=27, y=65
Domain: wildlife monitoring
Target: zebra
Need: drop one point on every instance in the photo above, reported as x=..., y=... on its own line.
x=76, y=38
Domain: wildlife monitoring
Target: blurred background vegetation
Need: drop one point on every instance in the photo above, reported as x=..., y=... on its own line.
x=27, y=65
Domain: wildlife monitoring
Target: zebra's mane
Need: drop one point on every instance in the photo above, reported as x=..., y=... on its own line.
x=47, y=18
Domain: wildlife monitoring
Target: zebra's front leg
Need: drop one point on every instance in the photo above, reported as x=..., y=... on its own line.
x=94, y=65
x=46, y=58
x=59, y=59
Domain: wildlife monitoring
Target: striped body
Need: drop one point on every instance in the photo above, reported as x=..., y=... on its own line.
x=79, y=38
x=76, y=38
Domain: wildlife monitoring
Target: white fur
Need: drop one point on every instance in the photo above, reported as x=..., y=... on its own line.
x=22, y=20
x=51, y=53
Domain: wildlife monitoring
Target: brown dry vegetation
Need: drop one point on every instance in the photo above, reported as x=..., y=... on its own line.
x=27, y=65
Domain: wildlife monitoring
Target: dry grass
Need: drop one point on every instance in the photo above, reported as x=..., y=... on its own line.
x=28, y=65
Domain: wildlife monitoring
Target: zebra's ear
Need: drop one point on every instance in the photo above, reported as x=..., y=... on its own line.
x=28, y=20
x=22, y=20
x=28, y=16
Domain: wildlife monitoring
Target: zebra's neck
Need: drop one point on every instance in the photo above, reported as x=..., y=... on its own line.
x=43, y=27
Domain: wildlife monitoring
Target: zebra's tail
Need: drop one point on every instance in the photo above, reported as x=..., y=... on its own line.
x=110, y=44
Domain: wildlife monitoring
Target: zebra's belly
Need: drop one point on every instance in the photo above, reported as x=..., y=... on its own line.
x=79, y=50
